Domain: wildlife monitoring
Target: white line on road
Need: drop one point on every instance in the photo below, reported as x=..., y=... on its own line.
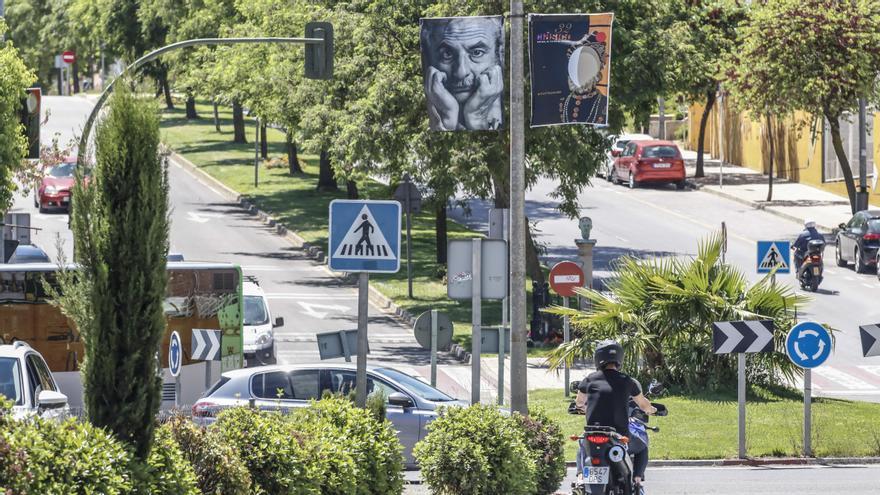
x=845, y=379
x=850, y=278
x=870, y=286
x=873, y=369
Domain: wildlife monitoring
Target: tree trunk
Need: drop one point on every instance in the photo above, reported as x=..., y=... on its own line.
x=326, y=177
x=834, y=124
x=238, y=123
x=701, y=138
x=216, y=115
x=166, y=88
x=772, y=157
x=440, y=236
x=264, y=146
x=292, y=155
x=75, y=70
x=191, y=113
x=351, y=189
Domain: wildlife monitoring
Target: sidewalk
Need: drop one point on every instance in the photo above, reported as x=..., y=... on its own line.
x=791, y=200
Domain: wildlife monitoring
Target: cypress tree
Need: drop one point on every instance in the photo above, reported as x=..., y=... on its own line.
x=120, y=227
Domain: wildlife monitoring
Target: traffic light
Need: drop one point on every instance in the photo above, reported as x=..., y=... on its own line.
x=30, y=119
x=319, y=56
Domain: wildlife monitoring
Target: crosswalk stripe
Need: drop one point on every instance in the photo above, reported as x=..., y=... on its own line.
x=845, y=379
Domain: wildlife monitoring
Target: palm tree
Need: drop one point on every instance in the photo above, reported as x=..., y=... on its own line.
x=662, y=310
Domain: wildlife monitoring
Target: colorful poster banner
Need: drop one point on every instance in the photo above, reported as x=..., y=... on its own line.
x=463, y=67
x=570, y=57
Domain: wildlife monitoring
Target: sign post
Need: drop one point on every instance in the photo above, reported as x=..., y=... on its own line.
x=565, y=277
x=742, y=337
x=408, y=194
x=808, y=345
x=476, y=318
x=364, y=239
x=499, y=228
x=433, y=330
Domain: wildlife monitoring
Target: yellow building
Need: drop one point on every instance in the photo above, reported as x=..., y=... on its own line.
x=803, y=150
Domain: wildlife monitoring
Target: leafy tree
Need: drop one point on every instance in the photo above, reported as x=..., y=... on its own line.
x=816, y=56
x=14, y=79
x=662, y=310
x=25, y=19
x=703, y=36
x=120, y=227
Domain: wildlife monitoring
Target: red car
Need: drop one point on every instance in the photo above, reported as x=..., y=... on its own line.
x=53, y=191
x=650, y=161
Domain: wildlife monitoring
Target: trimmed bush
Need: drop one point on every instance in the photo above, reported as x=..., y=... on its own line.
x=166, y=471
x=218, y=469
x=355, y=446
x=280, y=460
x=545, y=440
x=476, y=450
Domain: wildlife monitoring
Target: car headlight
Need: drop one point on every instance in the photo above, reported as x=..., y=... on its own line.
x=264, y=338
x=51, y=190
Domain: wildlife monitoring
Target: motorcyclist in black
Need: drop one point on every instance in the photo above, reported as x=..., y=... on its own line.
x=800, y=245
x=605, y=396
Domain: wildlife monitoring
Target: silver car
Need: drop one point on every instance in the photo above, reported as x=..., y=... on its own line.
x=27, y=382
x=411, y=403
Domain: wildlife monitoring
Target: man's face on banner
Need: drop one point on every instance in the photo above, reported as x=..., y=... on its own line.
x=467, y=49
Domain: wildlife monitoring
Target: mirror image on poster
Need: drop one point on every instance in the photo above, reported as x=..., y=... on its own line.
x=463, y=67
x=570, y=67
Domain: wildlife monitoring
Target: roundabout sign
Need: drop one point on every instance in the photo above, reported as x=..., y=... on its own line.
x=808, y=345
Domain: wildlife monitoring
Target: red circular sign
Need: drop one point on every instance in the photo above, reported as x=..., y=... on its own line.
x=68, y=57
x=565, y=277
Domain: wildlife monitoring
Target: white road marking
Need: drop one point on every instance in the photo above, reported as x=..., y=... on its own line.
x=352, y=297
x=850, y=278
x=845, y=379
x=310, y=309
x=873, y=369
x=870, y=286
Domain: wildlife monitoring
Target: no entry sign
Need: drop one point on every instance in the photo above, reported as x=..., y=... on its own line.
x=68, y=57
x=565, y=277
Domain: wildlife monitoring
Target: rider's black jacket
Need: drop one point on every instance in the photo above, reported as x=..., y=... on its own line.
x=608, y=393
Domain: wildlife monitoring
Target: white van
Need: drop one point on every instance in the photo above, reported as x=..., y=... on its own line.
x=258, y=326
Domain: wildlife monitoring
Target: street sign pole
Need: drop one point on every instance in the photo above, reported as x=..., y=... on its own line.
x=741, y=397
x=565, y=338
x=808, y=416
x=434, y=324
x=257, y=152
x=862, y=203
x=363, y=307
x=408, y=239
x=476, y=318
x=808, y=345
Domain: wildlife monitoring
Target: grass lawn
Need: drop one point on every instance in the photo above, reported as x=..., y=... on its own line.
x=295, y=201
x=705, y=426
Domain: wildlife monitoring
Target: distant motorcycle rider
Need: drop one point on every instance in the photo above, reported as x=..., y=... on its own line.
x=800, y=245
x=605, y=394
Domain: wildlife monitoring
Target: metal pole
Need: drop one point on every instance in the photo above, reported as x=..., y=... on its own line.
x=177, y=390
x=476, y=319
x=434, y=329
x=808, y=416
x=363, y=307
x=721, y=137
x=501, y=349
x=409, y=274
x=565, y=338
x=863, y=156
x=518, y=387
x=257, y=152
x=661, y=131
x=208, y=380
x=741, y=397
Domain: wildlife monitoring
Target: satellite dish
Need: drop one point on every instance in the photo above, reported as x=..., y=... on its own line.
x=422, y=330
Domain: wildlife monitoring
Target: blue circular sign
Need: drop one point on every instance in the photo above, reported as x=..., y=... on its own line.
x=175, y=354
x=808, y=344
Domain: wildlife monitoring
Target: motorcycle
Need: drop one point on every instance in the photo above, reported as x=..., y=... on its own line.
x=604, y=458
x=810, y=271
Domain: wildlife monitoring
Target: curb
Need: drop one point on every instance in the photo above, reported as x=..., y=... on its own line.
x=314, y=251
x=761, y=207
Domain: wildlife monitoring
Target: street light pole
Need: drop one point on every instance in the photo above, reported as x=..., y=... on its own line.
x=862, y=203
x=518, y=386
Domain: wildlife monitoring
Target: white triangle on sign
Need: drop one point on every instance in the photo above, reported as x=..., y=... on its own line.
x=773, y=259
x=364, y=240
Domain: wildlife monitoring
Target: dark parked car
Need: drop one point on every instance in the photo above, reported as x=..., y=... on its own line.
x=858, y=241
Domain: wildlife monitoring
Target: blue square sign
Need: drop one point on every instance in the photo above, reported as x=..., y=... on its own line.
x=774, y=254
x=364, y=236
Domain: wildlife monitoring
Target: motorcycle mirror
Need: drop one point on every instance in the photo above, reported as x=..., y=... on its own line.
x=661, y=409
x=656, y=388
x=573, y=386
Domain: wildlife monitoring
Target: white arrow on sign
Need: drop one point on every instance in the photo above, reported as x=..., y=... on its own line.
x=309, y=309
x=733, y=337
x=206, y=345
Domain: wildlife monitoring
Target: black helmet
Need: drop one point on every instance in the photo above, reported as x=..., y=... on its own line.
x=608, y=351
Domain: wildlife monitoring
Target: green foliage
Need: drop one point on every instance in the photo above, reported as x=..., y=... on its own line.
x=476, y=450
x=14, y=79
x=120, y=227
x=167, y=471
x=662, y=310
x=352, y=440
x=544, y=439
x=218, y=469
x=46, y=457
x=376, y=403
x=280, y=459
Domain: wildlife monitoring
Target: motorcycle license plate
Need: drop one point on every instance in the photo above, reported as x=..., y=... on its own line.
x=816, y=270
x=596, y=475
x=662, y=165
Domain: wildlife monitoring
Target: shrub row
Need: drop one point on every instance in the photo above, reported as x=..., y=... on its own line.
x=481, y=450
x=327, y=449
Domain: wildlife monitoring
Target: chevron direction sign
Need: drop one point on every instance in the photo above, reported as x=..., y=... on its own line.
x=870, y=340
x=733, y=337
x=205, y=345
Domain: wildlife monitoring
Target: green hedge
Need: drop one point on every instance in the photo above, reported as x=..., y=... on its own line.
x=217, y=466
x=544, y=439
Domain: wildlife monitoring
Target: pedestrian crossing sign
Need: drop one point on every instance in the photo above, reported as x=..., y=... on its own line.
x=364, y=236
x=774, y=254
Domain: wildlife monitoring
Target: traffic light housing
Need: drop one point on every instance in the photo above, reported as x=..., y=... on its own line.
x=319, y=56
x=30, y=119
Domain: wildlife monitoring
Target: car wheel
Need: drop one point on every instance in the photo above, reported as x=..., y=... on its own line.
x=36, y=202
x=861, y=267
x=632, y=181
x=609, y=173
x=839, y=256
x=680, y=185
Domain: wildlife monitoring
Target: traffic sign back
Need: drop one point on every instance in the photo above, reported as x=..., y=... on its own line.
x=774, y=254
x=565, y=277
x=364, y=236
x=808, y=344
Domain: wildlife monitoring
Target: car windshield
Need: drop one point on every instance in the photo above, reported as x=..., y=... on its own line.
x=10, y=381
x=660, y=152
x=415, y=386
x=621, y=144
x=874, y=225
x=255, y=311
x=62, y=170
